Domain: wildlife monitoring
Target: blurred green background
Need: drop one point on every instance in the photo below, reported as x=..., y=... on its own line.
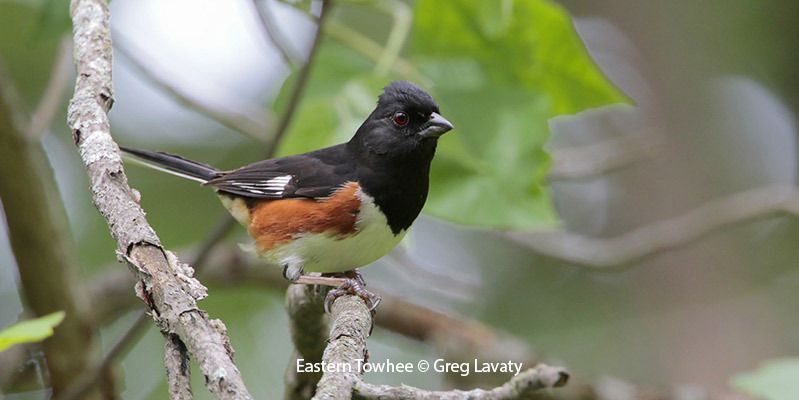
x=673, y=106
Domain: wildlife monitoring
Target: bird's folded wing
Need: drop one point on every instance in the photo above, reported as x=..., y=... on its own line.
x=288, y=177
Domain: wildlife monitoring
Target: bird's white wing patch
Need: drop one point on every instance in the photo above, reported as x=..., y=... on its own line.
x=273, y=186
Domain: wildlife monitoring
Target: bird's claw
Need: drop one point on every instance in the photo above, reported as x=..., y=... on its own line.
x=353, y=286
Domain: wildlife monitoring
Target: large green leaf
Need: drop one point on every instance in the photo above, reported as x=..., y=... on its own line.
x=29, y=331
x=500, y=71
x=775, y=380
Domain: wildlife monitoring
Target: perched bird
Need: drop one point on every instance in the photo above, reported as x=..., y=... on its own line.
x=338, y=208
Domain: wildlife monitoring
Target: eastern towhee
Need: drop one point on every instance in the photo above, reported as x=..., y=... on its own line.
x=335, y=209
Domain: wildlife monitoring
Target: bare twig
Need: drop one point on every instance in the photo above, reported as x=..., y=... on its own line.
x=78, y=389
x=40, y=238
x=302, y=78
x=661, y=236
x=165, y=284
x=520, y=387
x=372, y=50
x=272, y=32
x=403, y=20
x=55, y=91
x=255, y=122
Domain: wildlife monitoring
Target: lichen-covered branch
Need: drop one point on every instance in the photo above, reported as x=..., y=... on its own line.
x=350, y=327
x=165, y=284
x=40, y=238
x=520, y=387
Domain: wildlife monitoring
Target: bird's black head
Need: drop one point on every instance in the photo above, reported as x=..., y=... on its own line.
x=405, y=123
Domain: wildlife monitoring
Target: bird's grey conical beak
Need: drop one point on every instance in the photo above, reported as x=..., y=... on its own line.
x=436, y=126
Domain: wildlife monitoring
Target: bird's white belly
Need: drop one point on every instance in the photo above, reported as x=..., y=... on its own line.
x=326, y=252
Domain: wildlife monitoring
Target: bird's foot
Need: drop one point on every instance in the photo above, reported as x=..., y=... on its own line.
x=292, y=271
x=346, y=283
x=353, y=285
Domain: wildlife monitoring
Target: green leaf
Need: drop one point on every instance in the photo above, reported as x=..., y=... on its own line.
x=501, y=70
x=340, y=94
x=29, y=331
x=775, y=380
x=528, y=43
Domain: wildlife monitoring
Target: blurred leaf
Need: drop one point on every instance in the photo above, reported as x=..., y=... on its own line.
x=29, y=331
x=32, y=35
x=775, y=380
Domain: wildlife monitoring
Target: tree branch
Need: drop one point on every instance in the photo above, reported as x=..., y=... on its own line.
x=520, y=387
x=40, y=239
x=661, y=236
x=56, y=90
x=350, y=327
x=165, y=284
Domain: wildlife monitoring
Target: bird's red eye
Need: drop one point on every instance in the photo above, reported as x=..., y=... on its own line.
x=401, y=119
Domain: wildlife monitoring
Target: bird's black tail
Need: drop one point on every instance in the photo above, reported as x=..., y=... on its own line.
x=172, y=164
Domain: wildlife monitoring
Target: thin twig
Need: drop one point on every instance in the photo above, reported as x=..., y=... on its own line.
x=165, y=284
x=255, y=122
x=302, y=80
x=272, y=32
x=373, y=51
x=54, y=92
x=585, y=162
x=403, y=20
x=647, y=241
x=86, y=382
